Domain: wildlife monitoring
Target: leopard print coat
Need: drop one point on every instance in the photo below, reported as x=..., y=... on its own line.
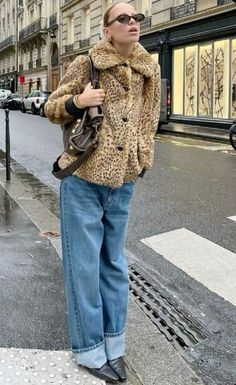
x=131, y=111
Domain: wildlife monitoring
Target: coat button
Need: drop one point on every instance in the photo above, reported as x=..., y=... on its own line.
x=125, y=119
x=120, y=148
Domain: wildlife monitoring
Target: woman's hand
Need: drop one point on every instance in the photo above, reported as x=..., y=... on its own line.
x=90, y=97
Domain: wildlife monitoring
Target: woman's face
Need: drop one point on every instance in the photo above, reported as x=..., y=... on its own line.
x=122, y=33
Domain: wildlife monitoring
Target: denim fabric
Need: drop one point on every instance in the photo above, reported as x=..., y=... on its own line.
x=93, y=227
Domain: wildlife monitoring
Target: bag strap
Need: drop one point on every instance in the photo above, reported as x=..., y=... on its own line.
x=93, y=73
x=62, y=173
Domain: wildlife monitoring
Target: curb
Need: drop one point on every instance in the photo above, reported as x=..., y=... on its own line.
x=196, y=135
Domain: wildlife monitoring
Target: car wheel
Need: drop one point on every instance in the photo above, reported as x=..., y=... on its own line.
x=22, y=108
x=33, y=109
x=41, y=111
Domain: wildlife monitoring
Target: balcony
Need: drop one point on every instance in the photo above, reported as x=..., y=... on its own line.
x=84, y=43
x=222, y=2
x=53, y=20
x=55, y=61
x=146, y=23
x=68, y=48
x=34, y=29
x=30, y=65
x=38, y=62
x=183, y=10
x=8, y=42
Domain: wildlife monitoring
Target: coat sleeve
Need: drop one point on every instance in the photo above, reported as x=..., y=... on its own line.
x=73, y=83
x=156, y=99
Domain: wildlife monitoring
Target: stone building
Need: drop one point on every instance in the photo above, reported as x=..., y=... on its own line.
x=38, y=56
x=7, y=44
x=29, y=41
x=81, y=25
x=194, y=41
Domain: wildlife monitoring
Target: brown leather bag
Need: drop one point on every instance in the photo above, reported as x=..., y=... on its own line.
x=81, y=136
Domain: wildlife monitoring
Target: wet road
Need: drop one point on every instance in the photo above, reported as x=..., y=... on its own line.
x=191, y=186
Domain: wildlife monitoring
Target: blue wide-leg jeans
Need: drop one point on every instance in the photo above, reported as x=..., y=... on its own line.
x=93, y=229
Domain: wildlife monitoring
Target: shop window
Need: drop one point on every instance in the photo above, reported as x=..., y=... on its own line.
x=155, y=57
x=178, y=81
x=233, y=89
x=221, y=79
x=191, y=54
x=205, y=80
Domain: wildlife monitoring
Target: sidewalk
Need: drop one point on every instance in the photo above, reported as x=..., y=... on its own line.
x=34, y=345
x=207, y=133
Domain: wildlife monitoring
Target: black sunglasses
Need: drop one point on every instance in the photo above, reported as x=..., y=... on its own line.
x=125, y=19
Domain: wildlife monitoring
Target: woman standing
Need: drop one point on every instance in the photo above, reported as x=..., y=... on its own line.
x=95, y=200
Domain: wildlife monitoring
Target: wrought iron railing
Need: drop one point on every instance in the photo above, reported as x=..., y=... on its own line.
x=183, y=10
x=146, y=23
x=68, y=48
x=7, y=42
x=222, y=2
x=39, y=25
x=84, y=43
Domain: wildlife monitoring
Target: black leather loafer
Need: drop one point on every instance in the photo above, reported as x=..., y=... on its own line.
x=104, y=373
x=118, y=367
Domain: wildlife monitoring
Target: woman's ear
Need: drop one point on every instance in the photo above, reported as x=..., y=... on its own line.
x=106, y=34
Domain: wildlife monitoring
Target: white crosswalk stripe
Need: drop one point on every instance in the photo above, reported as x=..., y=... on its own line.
x=233, y=218
x=203, y=260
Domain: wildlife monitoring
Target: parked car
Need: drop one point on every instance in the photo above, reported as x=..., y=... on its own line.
x=41, y=108
x=22, y=106
x=33, y=101
x=165, y=103
x=12, y=102
x=3, y=95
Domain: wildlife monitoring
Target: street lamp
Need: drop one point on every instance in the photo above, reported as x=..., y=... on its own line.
x=52, y=35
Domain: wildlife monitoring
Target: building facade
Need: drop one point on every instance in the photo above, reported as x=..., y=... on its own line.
x=193, y=40
x=81, y=25
x=38, y=53
x=29, y=45
x=7, y=44
x=196, y=42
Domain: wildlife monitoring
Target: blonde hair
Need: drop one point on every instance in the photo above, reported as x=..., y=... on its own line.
x=107, y=12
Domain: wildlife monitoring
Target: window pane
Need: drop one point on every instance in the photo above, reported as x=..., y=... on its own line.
x=205, y=86
x=233, y=92
x=191, y=80
x=178, y=81
x=221, y=79
x=155, y=57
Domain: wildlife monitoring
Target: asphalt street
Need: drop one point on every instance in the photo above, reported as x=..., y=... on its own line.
x=191, y=186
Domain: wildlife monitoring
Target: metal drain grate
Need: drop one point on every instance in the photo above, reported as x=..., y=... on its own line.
x=177, y=325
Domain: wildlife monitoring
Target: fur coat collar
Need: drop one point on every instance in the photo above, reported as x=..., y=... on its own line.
x=104, y=56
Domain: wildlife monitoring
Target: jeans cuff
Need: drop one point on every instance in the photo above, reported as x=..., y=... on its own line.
x=115, y=346
x=94, y=358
